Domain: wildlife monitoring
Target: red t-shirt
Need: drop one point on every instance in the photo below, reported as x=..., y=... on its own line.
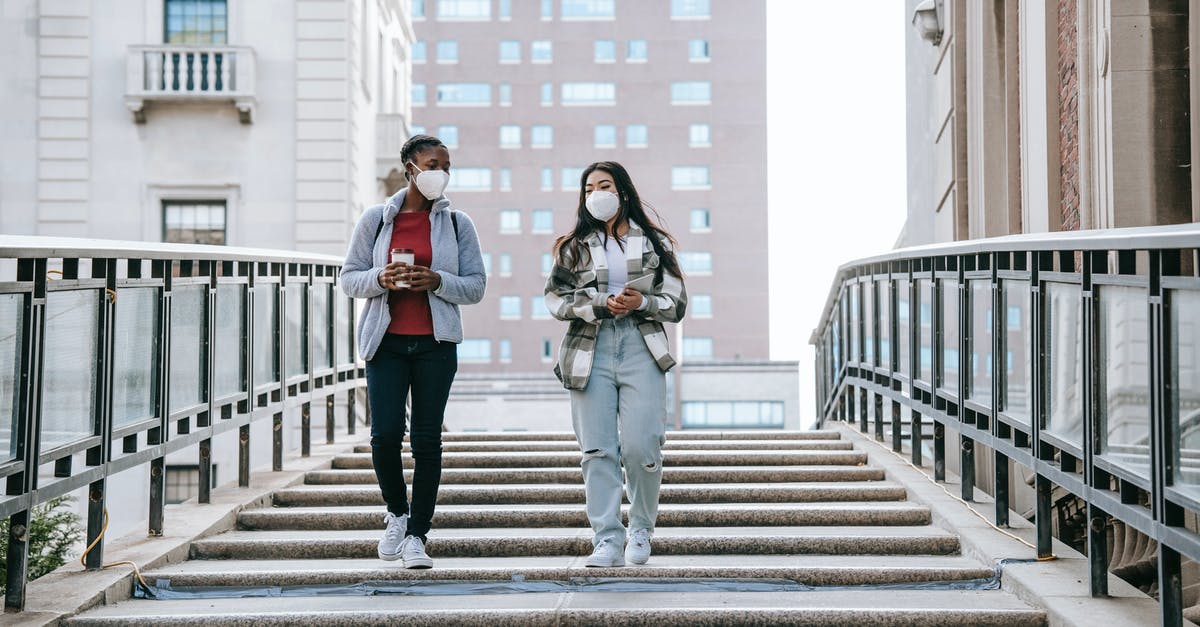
x=409, y=309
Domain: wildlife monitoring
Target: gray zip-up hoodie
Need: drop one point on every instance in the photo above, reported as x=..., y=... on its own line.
x=460, y=265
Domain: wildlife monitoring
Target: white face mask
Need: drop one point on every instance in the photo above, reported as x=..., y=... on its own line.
x=603, y=205
x=431, y=183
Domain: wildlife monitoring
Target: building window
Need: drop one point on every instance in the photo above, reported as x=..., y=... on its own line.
x=510, y=307
x=697, y=348
x=547, y=264
x=701, y=221
x=635, y=136
x=636, y=51
x=699, y=136
x=537, y=308
x=506, y=179
x=472, y=10
x=195, y=22
x=547, y=94
x=505, y=264
x=542, y=221
x=698, y=51
x=418, y=51
x=510, y=221
x=418, y=94
x=696, y=263
x=510, y=136
x=194, y=221
x=470, y=180
x=487, y=264
x=547, y=347
x=447, y=52
x=606, y=51
x=691, y=92
x=690, y=10
x=510, y=52
x=464, y=94
x=547, y=179
x=505, y=94
x=416, y=129
x=505, y=13
x=182, y=482
x=418, y=9
x=571, y=178
x=505, y=350
x=541, y=51
x=700, y=306
x=606, y=136
x=732, y=414
x=475, y=350
x=589, y=93
x=589, y=9
x=449, y=135
x=547, y=9
x=690, y=177
x=541, y=136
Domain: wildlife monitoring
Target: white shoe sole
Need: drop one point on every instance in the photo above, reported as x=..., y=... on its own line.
x=391, y=557
x=593, y=562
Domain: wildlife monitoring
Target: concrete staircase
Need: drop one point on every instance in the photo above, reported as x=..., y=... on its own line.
x=754, y=528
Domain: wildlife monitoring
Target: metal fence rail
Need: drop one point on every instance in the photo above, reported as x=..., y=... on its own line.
x=115, y=354
x=1074, y=355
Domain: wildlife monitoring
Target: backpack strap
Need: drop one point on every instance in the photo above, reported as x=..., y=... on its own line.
x=453, y=221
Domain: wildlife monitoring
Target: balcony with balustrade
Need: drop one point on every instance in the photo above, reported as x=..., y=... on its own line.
x=186, y=73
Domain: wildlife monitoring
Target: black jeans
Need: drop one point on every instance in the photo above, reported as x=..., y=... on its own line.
x=427, y=366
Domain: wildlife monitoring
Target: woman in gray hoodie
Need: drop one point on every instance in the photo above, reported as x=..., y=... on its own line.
x=409, y=333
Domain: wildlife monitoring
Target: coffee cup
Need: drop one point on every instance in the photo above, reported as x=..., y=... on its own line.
x=406, y=256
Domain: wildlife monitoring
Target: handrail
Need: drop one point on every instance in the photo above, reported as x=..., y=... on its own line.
x=118, y=353
x=1068, y=354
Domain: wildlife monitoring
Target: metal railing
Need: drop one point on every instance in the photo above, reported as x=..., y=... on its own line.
x=115, y=354
x=182, y=73
x=1074, y=355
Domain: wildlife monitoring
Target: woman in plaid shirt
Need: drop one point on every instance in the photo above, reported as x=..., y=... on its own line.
x=616, y=281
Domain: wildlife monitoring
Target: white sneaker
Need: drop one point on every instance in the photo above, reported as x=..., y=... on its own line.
x=637, y=551
x=606, y=554
x=414, y=553
x=393, y=536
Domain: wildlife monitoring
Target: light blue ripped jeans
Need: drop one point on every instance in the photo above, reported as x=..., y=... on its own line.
x=619, y=418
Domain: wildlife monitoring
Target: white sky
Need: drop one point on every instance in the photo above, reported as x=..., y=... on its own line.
x=836, y=162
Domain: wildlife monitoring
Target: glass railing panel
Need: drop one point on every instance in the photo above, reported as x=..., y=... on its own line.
x=12, y=312
x=266, y=334
x=229, y=372
x=1018, y=337
x=297, y=342
x=903, y=341
x=344, y=342
x=1124, y=356
x=852, y=295
x=836, y=348
x=70, y=357
x=885, y=324
x=320, y=326
x=136, y=339
x=868, y=299
x=950, y=335
x=980, y=389
x=189, y=308
x=925, y=330
x=1064, y=367
x=1184, y=325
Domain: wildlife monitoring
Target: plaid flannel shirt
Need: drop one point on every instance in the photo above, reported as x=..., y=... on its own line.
x=577, y=293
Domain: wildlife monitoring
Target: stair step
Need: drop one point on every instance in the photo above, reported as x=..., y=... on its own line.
x=670, y=458
x=573, y=475
x=691, y=434
x=671, y=445
x=812, y=570
x=478, y=517
x=691, y=493
x=824, y=607
x=516, y=542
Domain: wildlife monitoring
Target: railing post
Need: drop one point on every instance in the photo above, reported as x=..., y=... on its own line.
x=939, y=451
x=850, y=394
x=204, y=459
x=917, y=437
x=329, y=419
x=1097, y=538
x=98, y=455
x=862, y=410
x=305, y=429
x=1001, y=487
x=1164, y=432
x=967, y=467
x=351, y=397
x=244, y=456
x=277, y=441
x=897, y=445
x=999, y=377
x=162, y=433
x=1045, y=541
x=879, y=417
x=157, y=496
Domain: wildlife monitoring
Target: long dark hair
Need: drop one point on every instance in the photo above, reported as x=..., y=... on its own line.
x=568, y=248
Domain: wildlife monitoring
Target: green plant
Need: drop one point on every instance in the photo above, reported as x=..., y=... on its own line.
x=53, y=531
